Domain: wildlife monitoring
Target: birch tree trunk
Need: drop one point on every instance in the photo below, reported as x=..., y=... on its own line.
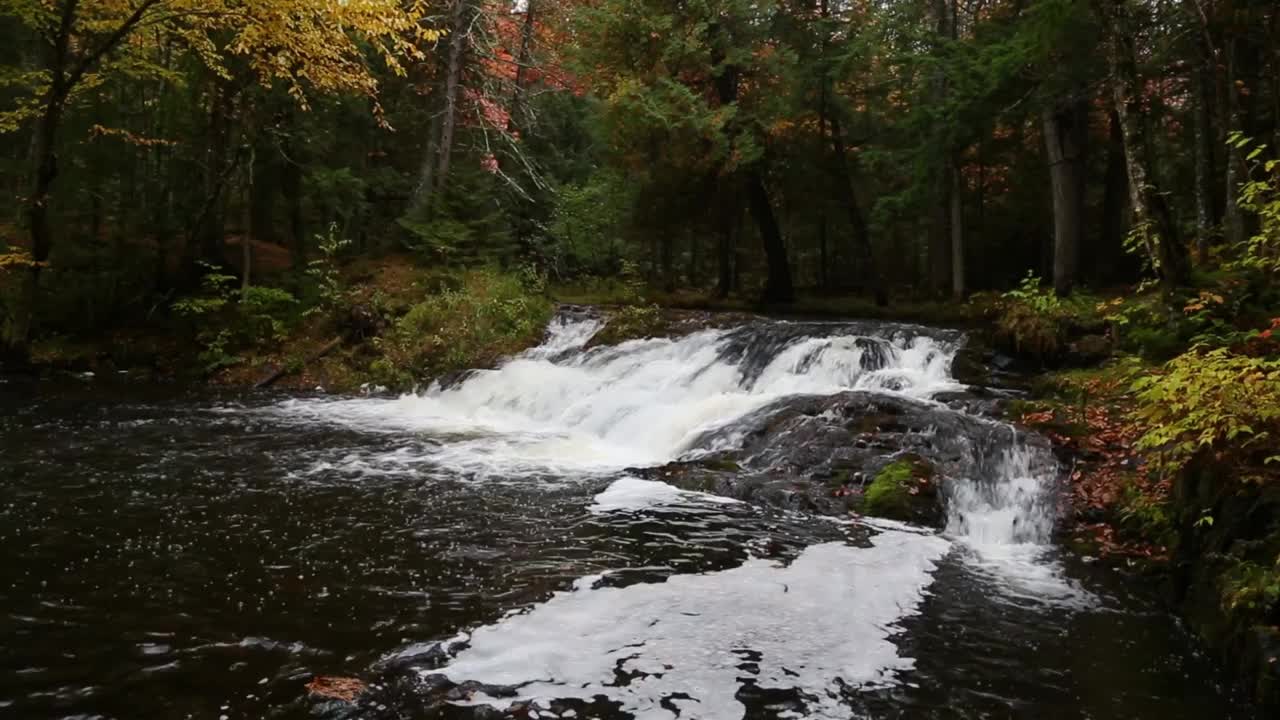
x=1151, y=215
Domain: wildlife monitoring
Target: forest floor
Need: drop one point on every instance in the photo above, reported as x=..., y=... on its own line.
x=1117, y=511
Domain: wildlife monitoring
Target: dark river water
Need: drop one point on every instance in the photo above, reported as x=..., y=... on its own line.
x=188, y=554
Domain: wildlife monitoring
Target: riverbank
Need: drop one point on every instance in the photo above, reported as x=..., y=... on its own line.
x=1201, y=529
x=391, y=323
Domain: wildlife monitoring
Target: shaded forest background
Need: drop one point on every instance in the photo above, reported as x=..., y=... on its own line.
x=754, y=148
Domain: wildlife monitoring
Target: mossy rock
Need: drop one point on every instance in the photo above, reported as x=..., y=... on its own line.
x=904, y=490
x=721, y=465
x=631, y=322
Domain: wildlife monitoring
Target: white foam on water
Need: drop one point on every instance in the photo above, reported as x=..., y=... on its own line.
x=630, y=494
x=823, y=621
x=640, y=403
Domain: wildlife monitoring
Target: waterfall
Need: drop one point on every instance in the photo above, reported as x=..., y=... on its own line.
x=1011, y=506
x=563, y=408
x=565, y=411
x=686, y=645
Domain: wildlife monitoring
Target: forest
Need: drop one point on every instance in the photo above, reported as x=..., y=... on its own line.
x=371, y=195
x=755, y=149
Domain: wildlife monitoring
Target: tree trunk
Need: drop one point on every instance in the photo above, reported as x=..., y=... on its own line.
x=1241, y=89
x=44, y=155
x=246, y=237
x=1202, y=87
x=956, y=197
x=940, y=254
x=427, y=173
x=958, y=289
x=522, y=62
x=1114, y=200
x=777, y=288
x=44, y=161
x=823, y=261
x=726, y=237
x=863, y=250
x=1151, y=215
x=691, y=271
x=212, y=230
x=291, y=191
x=462, y=16
x=264, y=171
x=668, y=262
x=1065, y=134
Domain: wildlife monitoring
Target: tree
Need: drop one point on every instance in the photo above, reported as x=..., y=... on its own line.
x=693, y=81
x=302, y=44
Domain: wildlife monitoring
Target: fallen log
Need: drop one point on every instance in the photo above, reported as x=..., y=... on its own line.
x=284, y=369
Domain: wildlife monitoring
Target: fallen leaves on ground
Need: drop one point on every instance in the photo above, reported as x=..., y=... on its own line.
x=1105, y=464
x=336, y=688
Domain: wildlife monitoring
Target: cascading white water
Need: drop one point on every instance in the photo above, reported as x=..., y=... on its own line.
x=561, y=408
x=688, y=644
x=1006, y=522
x=1010, y=508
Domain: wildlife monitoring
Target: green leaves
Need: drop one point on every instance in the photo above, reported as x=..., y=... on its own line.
x=1259, y=195
x=1213, y=401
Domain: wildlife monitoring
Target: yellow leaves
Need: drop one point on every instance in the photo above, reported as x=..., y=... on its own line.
x=318, y=44
x=18, y=260
x=1107, y=305
x=98, y=131
x=309, y=45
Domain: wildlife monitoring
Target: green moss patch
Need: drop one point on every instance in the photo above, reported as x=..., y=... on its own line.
x=902, y=490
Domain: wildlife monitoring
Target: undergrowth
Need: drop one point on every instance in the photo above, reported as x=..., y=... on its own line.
x=487, y=316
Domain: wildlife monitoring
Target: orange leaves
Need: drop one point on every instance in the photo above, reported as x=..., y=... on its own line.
x=336, y=688
x=1203, y=301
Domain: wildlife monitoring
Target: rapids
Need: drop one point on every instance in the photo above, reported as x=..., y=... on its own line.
x=640, y=530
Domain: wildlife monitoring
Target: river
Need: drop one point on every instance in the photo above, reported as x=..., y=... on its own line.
x=501, y=547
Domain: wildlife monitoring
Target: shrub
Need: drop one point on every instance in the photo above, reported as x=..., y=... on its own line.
x=490, y=314
x=1251, y=586
x=1260, y=196
x=265, y=314
x=1036, y=321
x=1216, y=402
x=330, y=292
x=226, y=320
x=1145, y=512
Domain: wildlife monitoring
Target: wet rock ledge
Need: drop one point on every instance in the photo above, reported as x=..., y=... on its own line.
x=856, y=452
